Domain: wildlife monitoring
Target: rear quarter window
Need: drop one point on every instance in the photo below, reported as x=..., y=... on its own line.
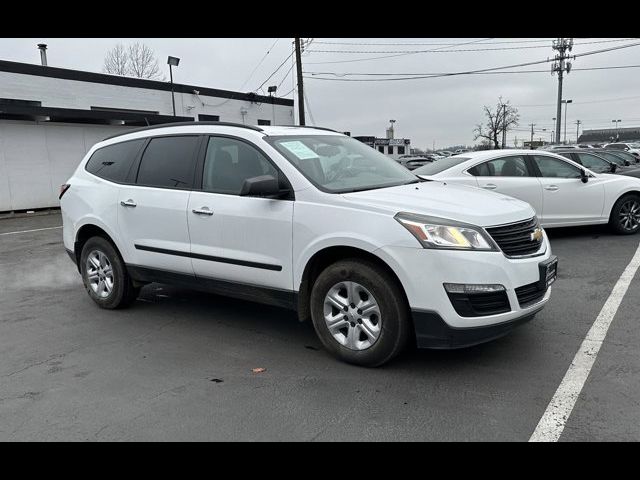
x=114, y=161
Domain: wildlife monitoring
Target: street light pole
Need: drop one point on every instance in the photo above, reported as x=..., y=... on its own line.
x=566, y=107
x=553, y=139
x=616, y=122
x=173, y=62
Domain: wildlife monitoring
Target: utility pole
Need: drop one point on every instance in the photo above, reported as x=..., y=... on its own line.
x=531, y=125
x=554, y=139
x=578, y=122
x=560, y=65
x=300, y=86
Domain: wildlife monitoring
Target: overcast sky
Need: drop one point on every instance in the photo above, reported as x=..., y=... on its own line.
x=441, y=110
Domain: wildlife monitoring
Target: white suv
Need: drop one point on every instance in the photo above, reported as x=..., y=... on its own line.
x=311, y=220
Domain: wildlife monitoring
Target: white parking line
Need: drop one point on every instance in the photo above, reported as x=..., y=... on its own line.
x=28, y=231
x=556, y=415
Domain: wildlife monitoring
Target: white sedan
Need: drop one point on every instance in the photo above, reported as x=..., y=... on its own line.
x=562, y=192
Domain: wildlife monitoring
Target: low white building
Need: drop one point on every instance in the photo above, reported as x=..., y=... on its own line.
x=50, y=117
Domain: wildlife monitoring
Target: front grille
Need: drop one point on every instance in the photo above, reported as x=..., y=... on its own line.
x=479, y=304
x=516, y=239
x=530, y=294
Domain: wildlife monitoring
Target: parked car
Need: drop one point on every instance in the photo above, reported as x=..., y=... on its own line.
x=633, y=148
x=460, y=150
x=593, y=162
x=629, y=157
x=601, y=161
x=562, y=192
x=414, y=161
x=445, y=153
x=311, y=220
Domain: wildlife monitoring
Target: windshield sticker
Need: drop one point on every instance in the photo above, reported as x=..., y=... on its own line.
x=299, y=149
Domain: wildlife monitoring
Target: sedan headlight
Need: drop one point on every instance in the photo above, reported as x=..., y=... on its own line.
x=434, y=232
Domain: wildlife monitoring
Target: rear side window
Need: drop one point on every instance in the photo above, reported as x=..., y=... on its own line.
x=168, y=162
x=114, y=161
x=513, y=166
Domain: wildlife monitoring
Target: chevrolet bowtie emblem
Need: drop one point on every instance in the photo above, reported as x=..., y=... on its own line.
x=536, y=235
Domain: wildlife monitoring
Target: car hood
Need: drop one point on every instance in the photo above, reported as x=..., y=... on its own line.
x=441, y=199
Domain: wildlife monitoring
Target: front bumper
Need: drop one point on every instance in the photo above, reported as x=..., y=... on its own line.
x=423, y=272
x=433, y=332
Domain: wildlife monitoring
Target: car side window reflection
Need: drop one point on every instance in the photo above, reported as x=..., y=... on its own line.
x=555, y=168
x=512, y=166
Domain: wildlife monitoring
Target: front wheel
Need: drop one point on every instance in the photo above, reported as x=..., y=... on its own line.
x=105, y=276
x=625, y=215
x=359, y=312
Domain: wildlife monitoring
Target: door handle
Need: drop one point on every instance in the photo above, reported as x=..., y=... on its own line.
x=490, y=186
x=551, y=188
x=128, y=203
x=202, y=211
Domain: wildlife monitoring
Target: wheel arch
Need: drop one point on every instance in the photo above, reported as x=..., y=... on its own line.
x=631, y=191
x=327, y=256
x=87, y=231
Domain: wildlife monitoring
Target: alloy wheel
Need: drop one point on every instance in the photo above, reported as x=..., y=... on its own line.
x=99, y=273
x=629, y=216
x=352, y=315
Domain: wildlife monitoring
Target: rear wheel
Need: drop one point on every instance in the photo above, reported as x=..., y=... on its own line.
x=105, y=276
x=625, y=215
x=359, y=313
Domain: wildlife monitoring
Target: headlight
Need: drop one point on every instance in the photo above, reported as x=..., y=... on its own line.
x=433, y=232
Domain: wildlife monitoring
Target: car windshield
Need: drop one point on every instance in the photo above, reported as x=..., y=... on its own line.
x=440, y=165
x=340, y=164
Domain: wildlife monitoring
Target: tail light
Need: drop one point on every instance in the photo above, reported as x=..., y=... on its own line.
x=63, y=189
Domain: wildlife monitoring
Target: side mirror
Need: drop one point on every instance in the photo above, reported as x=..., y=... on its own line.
x=627, y=163
x=614, y=167
x=262, y=186
x=583, y=176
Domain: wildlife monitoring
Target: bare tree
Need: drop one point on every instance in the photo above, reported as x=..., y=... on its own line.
x=116, y=62
x=501, y=120
x=137, y=60
x=143, y=63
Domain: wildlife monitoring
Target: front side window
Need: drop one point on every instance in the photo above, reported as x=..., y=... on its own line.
x=513, y=166
x=168, y=162
x=229, y=162
x=340, y=164
x=114, y=161
x=555, y=168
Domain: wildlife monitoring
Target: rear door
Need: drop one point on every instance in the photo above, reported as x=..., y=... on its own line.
x=566, y=199
x=510, y=175
x=152, y=213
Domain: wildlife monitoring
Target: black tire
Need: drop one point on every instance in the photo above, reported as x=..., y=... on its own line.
x=617, y=218
x=395, y=326
x=123, y=293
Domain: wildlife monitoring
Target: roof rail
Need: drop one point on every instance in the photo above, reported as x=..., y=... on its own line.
x=182, y=124
x=309, y=126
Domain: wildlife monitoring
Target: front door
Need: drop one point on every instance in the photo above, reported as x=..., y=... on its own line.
x=566, y=199
x=242, y=239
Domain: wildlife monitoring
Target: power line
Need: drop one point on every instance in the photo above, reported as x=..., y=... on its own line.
x=447, y=73
x=545, y=41
x=275, y=71
x=388, y=56
x=259, y=63
x=438, y=50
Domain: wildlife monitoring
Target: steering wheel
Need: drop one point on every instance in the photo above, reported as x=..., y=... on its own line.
x=342, y=166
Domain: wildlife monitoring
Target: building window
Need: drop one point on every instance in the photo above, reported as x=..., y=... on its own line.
x=264, y=122
x=390, y=150
x=381, y=149
x=202, y=117
x=400, y=150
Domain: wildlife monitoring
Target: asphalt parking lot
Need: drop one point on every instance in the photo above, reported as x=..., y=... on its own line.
x=178, y=364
